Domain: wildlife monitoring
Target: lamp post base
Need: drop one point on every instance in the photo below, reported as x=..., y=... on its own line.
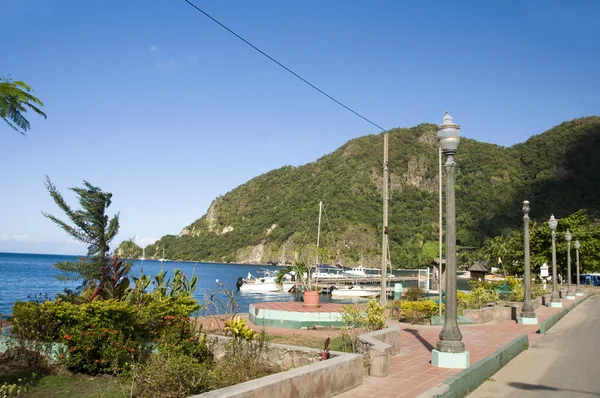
x=579, y=294
x=527, y=321
x=570, y=296
x=554, y=304
x=451, y=360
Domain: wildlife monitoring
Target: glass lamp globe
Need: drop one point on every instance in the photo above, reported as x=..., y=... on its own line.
x=577, y=245
x=552, y=222
x=568, y=236
x=526, y=206
x=448, y=135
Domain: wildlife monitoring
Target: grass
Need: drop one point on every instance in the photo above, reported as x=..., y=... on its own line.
x=75, y=386
x=336, y=343
x=54, y=382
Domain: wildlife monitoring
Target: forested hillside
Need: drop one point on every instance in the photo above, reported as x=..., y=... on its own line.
x=266, y=219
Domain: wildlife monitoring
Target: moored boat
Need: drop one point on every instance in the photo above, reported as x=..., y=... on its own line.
x=354, y=291
x=265, y=283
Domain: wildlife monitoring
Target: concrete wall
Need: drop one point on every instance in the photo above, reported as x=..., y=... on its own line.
x=286, y=356
x=379, y=347
x=319, y=379
x=499, y=312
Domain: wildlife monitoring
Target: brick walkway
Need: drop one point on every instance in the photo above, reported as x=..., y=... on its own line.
x=412, y=374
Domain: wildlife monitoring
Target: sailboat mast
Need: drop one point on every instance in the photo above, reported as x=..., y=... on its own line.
x=384, y=241
x=319, y=235
x=440, y=267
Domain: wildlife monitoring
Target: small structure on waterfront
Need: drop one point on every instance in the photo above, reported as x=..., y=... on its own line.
x=479, y=270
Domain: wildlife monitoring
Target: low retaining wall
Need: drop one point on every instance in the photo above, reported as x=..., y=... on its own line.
x=499, y=312
x=293, y=319
x=469, y=379
x=286, y=356
x=318, y=378
x=51, y=350
x=379, y=347
x=552, y=320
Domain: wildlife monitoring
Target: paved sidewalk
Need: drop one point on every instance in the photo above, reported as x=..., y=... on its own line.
x=412, y=374
x=562, y=364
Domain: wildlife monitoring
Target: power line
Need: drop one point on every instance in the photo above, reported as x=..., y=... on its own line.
x=284, y=67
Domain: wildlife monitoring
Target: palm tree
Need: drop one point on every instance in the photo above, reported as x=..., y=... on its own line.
x=15, y=100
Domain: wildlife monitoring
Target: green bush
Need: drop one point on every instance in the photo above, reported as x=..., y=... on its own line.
x=413, y=293
x=417, y=311
x=375, y=319
x=100, y=336
x=172, y=375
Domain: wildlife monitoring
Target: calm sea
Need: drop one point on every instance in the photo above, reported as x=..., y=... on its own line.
x=25, y=275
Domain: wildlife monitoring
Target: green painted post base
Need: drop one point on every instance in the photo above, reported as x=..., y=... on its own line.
x=579, y=294
x=570, y=297
x=451, y=360
x=555, y=305
x=527, y=321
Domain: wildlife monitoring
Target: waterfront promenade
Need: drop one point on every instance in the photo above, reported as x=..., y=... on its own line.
x=412, y=374
x=562, y=364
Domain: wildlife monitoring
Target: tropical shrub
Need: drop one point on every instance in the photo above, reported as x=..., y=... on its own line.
x=375, y=319
x=352, y=320
x=239, y=330
x=413, y=294
x=100, y=335
x=172, y=375
x=417, y=311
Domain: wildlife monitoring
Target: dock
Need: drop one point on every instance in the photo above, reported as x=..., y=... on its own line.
x=362, y=280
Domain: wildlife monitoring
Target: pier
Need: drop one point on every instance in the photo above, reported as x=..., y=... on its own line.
x=371, y=280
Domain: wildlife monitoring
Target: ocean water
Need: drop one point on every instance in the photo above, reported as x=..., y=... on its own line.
x=25, y=276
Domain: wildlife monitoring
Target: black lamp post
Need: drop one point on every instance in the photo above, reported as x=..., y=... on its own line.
x=555, y=302
x=528, y=316
x=450, y=349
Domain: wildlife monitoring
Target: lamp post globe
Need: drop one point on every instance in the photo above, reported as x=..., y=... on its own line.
x=555, y=302
x=568, y=237
x=578, y=291
x=448, y=135
x=450, y=349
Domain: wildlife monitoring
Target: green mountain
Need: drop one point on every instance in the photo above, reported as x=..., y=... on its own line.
x=273, y=215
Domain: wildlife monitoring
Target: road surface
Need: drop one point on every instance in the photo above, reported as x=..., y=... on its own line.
x=563, y=363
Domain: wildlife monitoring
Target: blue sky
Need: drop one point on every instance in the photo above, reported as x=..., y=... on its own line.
x=152, y=101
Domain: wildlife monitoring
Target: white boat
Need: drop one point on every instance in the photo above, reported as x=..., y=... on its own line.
x=265, y=283
x=354, y=291
x=328, y=272
x=357, y=272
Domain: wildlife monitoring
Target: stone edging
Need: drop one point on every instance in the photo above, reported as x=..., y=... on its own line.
x=327, y=378
x=380, y=346
x=469, y=379
x=553, y=320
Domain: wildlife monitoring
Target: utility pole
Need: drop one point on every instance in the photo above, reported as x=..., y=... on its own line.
x=318, y=236
x=384, y=240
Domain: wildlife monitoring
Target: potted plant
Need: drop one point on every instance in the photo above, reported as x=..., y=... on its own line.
x=303, y=281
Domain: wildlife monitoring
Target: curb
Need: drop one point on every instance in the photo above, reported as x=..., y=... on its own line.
x=469, y=379
x=553, y=320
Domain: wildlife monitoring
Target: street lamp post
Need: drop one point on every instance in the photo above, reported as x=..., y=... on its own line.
x=450, y=350
x=578, y=292
x=555, y=302
x=528, y=316
x=568, y=237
